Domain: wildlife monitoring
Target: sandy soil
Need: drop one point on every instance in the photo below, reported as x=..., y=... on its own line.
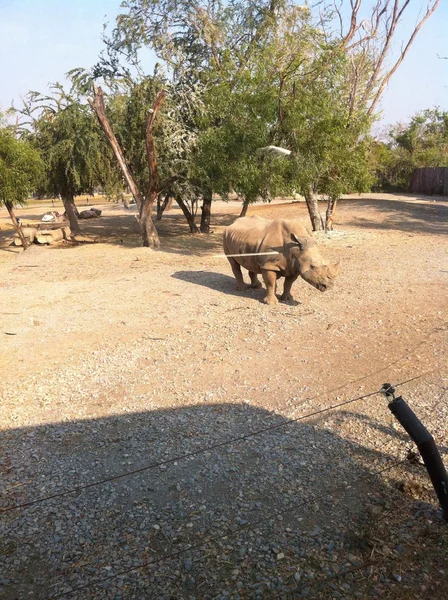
x=109, y=330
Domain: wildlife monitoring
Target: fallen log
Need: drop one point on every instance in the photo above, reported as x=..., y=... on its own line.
x=28, y=232
x=48, y=236
x=83, y=239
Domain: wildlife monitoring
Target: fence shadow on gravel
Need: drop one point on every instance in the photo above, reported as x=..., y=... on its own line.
x=284, y=480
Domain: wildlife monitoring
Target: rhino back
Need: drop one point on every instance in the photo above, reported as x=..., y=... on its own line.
x=254, y=234
x=245, y=236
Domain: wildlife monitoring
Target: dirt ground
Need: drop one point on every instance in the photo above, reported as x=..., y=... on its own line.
x=114, y=357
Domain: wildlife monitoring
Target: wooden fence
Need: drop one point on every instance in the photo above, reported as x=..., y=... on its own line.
x=432, y=181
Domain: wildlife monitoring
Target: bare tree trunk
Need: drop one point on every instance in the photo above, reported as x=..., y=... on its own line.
x=188, y=215
x=72, y=212
x=206, y=213
x=314, y=212
x=99, y=109
x=329, y=215
x=244, y=208
x=149, y=232
x=163, y=205
x=17, y=225
x=159, y=207
x=150, y=237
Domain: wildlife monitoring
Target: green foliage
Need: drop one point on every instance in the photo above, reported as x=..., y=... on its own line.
x=391, y=168
x=240, y=76
x=292, y=92
x=77, y=158
x=175, y=131
x=20, y=168
x=423, y=142
x=127, y=110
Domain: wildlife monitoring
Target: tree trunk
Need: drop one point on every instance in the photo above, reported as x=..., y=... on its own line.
x=99, y=109
x=17, y=225
x=149, y=232
x=188, y=215
x=329, y=215
x=206, y=213
x=72, y=212
x=163, y=205
x=244, y=208
x=314, y=212
x=150, y=237
x=169, y=206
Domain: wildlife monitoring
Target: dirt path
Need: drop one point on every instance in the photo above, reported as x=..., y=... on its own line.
x=103, y=342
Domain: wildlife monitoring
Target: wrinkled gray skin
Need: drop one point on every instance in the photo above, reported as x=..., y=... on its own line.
x=298, y=256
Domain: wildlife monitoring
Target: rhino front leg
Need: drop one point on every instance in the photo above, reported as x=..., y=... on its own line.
x=286, y=296
x=254, y=283
x=236, y=269
x=270, y=280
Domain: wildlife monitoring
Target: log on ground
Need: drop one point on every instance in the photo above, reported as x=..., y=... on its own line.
x=28, y=232
x=49, y=236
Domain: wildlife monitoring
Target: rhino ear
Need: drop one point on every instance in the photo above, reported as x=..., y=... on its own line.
x=300, y=242
x=335, y=268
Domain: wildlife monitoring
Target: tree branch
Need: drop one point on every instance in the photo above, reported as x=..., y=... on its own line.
x=353, y=20
x=99, y=109
x=429, y=11
x=150, y=148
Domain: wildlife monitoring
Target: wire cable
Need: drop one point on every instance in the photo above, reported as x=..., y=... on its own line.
x=248, y=526
x=199, y=451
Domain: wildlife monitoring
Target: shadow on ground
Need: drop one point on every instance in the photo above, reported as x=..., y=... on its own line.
x=218, y=282
x=122, y=228
x=408, y=216
x=294, y=508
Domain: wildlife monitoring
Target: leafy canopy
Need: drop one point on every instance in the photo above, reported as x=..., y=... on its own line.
x=257, y=73
x=77, y=158
x=423, y=142
x=20, y=168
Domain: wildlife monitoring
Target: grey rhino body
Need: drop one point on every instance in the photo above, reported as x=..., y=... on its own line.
x=298, y=255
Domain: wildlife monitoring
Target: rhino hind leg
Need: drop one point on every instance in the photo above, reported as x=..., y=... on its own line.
x=270, y=280
x=236, y=269
x=254, y=282
x=286, y=296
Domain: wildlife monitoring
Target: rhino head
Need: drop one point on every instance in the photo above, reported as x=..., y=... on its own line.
x=310, y=265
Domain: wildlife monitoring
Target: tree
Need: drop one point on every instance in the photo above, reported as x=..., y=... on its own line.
x=365, y=42
x=271, y=73
x=20, y=170
x=288, y=94
x=423, y=142
x=134, y=133
x=150, y=237
x=190, y=40
x=77, y=160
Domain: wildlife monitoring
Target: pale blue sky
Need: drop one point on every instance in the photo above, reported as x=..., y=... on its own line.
x=40, y=40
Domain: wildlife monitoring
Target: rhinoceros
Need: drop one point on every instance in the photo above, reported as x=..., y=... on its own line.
x=297, y=255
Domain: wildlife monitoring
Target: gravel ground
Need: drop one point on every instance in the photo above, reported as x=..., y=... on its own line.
x=115, y=359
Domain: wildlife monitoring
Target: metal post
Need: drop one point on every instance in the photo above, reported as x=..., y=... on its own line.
x=425, y=443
